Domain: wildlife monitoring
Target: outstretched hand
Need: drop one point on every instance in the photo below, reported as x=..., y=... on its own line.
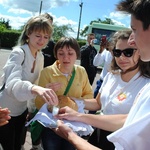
x=67, y=113
x=48, y=95
x=62, y=130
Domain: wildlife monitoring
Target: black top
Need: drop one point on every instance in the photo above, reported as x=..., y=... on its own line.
x=48, y=53
x=88, y=53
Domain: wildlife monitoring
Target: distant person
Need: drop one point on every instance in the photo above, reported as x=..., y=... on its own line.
x=88, y=53
x=21, y=73
x=103, y=57
x=48, y=53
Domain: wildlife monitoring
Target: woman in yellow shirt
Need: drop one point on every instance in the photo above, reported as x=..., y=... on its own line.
x=56, y=77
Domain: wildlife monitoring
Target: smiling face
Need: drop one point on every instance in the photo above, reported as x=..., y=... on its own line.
x=66, y=57
x=37, y=40
x=124, y=62
x=140, y=38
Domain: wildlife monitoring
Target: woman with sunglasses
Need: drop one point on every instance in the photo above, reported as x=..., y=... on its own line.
x=117, y=93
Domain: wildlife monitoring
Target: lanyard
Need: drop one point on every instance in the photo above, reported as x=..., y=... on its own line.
x=69, y=83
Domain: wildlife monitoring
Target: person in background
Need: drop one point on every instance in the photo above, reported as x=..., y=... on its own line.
x=48, y=53
x=103, y=57
x=88, y=53
x=21, y=73
x=135, y=125
x=57, y=77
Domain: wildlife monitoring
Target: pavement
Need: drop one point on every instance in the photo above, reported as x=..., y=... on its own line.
x=4, y=54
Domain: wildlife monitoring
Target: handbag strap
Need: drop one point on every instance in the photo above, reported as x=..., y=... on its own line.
x=70, y=82
x=2, y=88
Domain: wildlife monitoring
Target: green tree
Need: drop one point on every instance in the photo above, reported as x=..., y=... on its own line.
x=106, y=21
x=5, y=23
x=2, y=27
x=60, y=31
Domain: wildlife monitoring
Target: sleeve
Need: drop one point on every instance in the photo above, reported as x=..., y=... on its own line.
x=84, y=51
x=99, y=59
x=43, y=80
x=15, y=86
x=128, y=137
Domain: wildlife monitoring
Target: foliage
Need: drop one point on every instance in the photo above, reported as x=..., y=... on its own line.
x=2, y=27
x=60, y=31
x=106, y=21
x=5, y=23
x=81, y=42
x=9, y=38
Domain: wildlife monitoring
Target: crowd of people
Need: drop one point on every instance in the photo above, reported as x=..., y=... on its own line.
x=121, y=95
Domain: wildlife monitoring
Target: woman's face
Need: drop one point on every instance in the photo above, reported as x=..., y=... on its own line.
x=38, y=40
x=124, y=62
x=66, y=57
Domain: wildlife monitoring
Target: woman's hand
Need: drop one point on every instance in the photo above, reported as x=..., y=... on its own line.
x=62, y=130
x=67, y=113
x=48, y=95
x=54, y=86
x=4, y=116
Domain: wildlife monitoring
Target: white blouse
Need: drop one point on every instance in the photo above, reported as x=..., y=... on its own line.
x=19, y=79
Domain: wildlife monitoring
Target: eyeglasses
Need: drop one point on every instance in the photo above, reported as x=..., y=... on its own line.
x=128, y=52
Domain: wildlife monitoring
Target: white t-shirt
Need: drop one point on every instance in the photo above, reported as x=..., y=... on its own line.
x=135, y=133
x=104, y=59
x=117, y=96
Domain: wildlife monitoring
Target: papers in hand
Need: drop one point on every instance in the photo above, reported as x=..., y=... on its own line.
x=47, y=120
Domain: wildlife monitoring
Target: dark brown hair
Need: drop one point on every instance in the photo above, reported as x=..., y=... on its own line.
x=144, y=67
x=69, y=42
x=138, y=8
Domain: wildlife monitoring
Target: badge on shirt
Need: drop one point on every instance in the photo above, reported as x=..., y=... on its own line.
x=121, y=96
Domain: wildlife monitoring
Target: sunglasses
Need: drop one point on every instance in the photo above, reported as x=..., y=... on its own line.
x=128, y=52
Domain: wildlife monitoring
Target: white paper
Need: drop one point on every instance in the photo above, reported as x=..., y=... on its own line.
x=47, y=120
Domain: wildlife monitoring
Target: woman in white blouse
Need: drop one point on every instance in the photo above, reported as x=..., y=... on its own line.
x=21, y=73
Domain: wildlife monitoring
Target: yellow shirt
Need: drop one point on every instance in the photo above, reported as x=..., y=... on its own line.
x=79, y=89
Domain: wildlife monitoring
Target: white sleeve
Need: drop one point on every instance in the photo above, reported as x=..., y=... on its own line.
x=15, y=87
x=99, y=59
x=134, y=136
x=31, y=105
